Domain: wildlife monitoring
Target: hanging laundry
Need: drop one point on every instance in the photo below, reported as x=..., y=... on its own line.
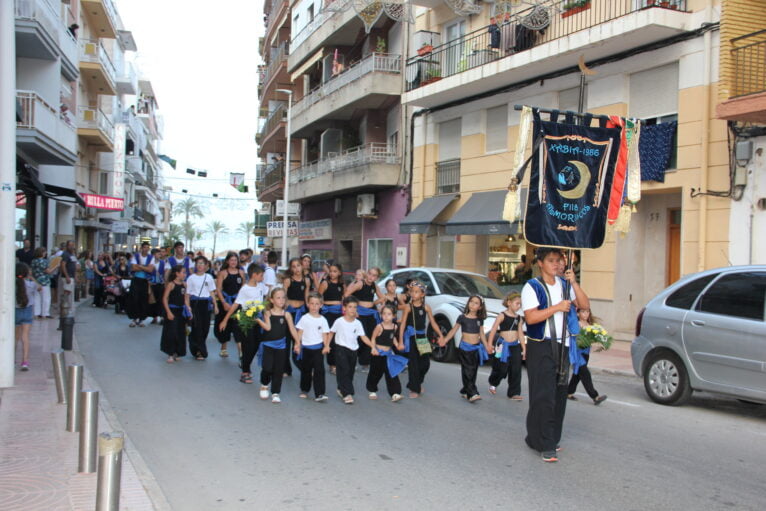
x=655, y=147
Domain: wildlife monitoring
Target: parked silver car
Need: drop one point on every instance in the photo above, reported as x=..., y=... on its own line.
x=705, y=332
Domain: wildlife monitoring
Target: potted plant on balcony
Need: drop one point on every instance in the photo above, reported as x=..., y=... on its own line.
x=425, y=49
x=380, y=46
x=574, y=6
x=433, y=74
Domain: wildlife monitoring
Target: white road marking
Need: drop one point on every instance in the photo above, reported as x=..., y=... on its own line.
x=610, y=400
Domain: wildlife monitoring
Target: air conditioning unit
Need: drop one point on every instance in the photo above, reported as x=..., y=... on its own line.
x=365, y=206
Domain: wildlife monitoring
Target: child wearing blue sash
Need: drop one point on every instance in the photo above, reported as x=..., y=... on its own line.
x=310, y=347
x=585, y=319
x=229, y=281
x=384, y=360
x=414, y=340
x=332, y=289
x=175, y=301
x=201, y=290
x=367, y=293
x=156, y=281
x=474, y=348
x=347, y=331
x=297, y=289
x=510, y=347
x=277, y=324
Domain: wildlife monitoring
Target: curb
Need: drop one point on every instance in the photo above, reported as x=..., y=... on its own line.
x=614, y=372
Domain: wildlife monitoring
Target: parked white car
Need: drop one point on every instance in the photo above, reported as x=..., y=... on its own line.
x=447, y=292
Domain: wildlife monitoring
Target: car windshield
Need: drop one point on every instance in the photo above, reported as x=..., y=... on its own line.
x=461, y=284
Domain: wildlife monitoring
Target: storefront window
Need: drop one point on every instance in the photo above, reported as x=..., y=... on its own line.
x=380, y=253
x=508, y=262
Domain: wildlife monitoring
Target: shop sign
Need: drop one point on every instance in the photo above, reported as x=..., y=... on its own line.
x=103, y=202
x=293, y=209
x=315, y=230
x=275, y=229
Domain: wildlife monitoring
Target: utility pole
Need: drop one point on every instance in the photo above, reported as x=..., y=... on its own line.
x=7, y=192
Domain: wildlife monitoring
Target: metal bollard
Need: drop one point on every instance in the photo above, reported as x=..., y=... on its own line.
x=88, y=431
x=57, y=357
x=73, y=398
x=109, y=471
x=67, y=333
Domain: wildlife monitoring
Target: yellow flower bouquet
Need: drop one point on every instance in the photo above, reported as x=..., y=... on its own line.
x=248, y=313
x=594, y=334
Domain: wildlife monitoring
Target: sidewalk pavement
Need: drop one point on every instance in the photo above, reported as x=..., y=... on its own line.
x=616, y=360
x=38, y=457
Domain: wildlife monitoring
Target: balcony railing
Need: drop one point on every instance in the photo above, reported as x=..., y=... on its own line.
x=68, y=45
x=377, y=62
x=134, y=165
x=272, y=121
x=94, y=119
x=749, y=56
x=481, y=46
x=448, y=176
x=274, y=174
x=39, y=11
x=93, y=51
x=277, y=59
x=38, y=114
x=311, y=27
x=274, y=13
x=347, y=160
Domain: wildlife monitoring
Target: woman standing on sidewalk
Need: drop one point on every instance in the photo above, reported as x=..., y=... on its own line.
x=586, y=319
x=175, y=301
x=42, y=274
x=100, y=270
x=122, y=271
x=86, y=263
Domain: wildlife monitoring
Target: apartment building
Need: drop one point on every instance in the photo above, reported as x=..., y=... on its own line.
x=657, y=61
x=89, y=164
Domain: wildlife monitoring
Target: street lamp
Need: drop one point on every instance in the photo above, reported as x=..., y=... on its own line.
x=287, y=176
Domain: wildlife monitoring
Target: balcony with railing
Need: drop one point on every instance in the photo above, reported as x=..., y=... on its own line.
x=135, y=130
x=276, y=16
x=45, y=133
x=273, y=182
x=490, y=58
x=370, y=166
x=273, y=135
x=37, y=29
x=102, y=16
x=375, y=79
x=95, y=128
x=69, y=54
x=126, y=80
x=96, y=67
x=274, y=73
x=747, y=83
x=328, y=28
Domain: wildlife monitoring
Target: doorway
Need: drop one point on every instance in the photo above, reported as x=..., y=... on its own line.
x=673, y=270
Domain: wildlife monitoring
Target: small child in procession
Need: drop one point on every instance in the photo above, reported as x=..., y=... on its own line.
x=277, y=323
x=346, y=330
x=311, y=345
x=175, y=301
x=474, y=348
x=586, y=319
x=413, y=337
x=510, y=347
x=384, y=361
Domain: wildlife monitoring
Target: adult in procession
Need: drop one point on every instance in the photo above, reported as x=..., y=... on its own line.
x=545, y=309
x=141, y=267
x=179, y=257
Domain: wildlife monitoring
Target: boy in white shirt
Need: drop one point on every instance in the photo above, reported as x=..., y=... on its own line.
x=347, y=330
x=310, y=348
x=201, y=290
x=270, y=273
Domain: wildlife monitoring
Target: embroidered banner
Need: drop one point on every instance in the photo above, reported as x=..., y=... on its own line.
x=570, y=184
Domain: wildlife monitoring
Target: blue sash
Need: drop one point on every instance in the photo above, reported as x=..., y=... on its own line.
x=364, y=311
x=312, y=347
x=142, y=274
x=332, y=309
x=409, y=333
x=483, y=355
x=576, y=358
x=395, y=363
x=505, y=351
x=279, y=344
x=229, y=298
x=297, y=312
x=209, y=301
x=186, y=314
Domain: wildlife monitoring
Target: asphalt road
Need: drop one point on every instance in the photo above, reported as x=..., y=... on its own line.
x=212, y=444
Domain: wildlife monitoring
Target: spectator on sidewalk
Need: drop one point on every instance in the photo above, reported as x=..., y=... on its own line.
x=26, y=254
x=42, y=274
x=26, y=289
x=66, y=280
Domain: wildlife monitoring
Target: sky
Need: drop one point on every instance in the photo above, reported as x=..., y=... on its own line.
x=202, y=58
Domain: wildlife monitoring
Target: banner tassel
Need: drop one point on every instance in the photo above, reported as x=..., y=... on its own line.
x=511, y=205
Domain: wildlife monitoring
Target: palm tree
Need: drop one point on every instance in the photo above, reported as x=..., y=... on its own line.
x=247, y=229
x=215, y=228
x=175, y=233
x=189, y=232
x=188, y=207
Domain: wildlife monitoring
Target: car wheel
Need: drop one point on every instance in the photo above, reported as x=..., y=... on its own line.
x=447, y=353
x=666, y=380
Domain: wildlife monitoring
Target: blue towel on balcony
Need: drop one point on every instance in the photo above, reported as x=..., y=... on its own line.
x=655, y=148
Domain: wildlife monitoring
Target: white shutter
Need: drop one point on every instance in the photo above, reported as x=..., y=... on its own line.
x=654, y=92
x=449, y=140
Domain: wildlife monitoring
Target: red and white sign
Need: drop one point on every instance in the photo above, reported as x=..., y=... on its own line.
x=103, y=202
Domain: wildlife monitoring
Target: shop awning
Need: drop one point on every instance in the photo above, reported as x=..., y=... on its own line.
x=421, y=218
x=56, y=192
x=482, y=214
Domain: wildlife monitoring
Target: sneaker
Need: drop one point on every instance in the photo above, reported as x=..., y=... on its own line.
x=396, y=397
x=132, y=324
x=373, y=395
x=550, y=457
x=264, y=392
x=349, y=400
x=223, y=353
x=474, y=398
x=320, y=399
x=599, y=399
x=275, y=398
x=559, y=448
x=142, y=325
x=25, y=366
x=492, y=389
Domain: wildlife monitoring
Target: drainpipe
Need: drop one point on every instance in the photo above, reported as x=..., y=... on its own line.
x=705, y=157
x=424, y=237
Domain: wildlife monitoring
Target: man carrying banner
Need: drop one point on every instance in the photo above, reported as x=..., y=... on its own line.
x=545, y=308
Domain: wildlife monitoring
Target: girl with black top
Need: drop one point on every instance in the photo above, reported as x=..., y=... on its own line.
x=510, y=348
x=367, y=292
x=390, y=297
x=309, y=274
x=228, y=282
x=175, y=301
x=474, y=349
x=277, y=325
x=332, y=289
x=383, y=343
x=297, y=286
x=413, y=332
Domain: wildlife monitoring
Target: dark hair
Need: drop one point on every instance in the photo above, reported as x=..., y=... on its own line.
x=155, y=251
x=146, y=243
x=244, y=251
x=272, y=257
x=229, y=255
x=543, y=252
x=39, y=252
x=190, y=253
x=389, y=307
x=289, y=270
x=178, y=244
x=389, y=280
x=253, y=269
x=350, y=299
x=174, y=271
x=482, y=312
x=203, y=258
x=22, y=272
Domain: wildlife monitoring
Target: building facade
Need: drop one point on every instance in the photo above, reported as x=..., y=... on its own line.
x=656, y=61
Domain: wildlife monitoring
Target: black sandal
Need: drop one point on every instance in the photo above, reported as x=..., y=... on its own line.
x=246, y=378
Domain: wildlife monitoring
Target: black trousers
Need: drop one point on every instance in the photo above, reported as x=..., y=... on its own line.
x=469, y=368
x=155, y=309
x=547, y=399
x=232, y=329
x=365, y=352
x=417, y=367
x=311, y=365
x=587, y=381
x=138, y=299
x=99, y=292
x=510, y=369
x=250, y=343
x=271, y=372
x=345, y=363
x=378, y=369
x=199, y=328
x=331, y=318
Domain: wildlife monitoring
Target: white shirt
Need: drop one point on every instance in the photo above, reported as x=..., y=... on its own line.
x=313, y=328
x=247, y=292
x=347, y=332
x=529, y=301
x=200, y=285
x=270, y=277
